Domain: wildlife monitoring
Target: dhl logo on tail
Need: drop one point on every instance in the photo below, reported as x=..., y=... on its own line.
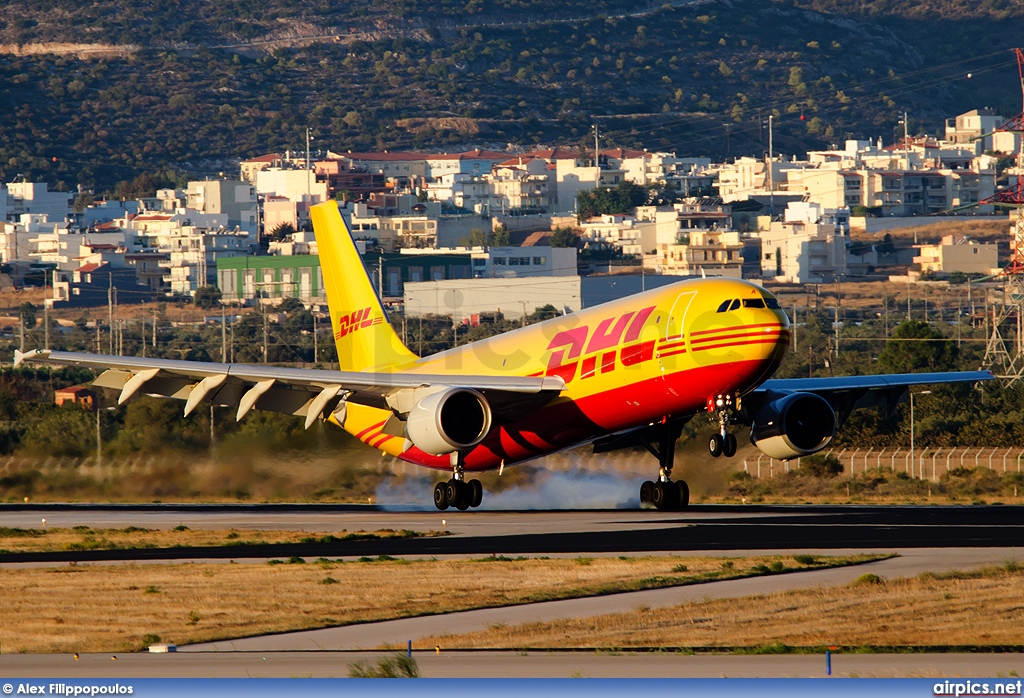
x=356, y=320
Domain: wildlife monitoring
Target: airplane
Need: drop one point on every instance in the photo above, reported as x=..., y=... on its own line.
x=624, y=374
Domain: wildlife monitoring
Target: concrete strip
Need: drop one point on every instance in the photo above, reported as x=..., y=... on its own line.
x=509, y=665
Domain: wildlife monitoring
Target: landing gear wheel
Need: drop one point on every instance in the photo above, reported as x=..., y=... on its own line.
x=441, y=496
x=646, y=492
x=683, y=492
x=716, y=445
x=452, y=492
x=665, y=495
x=729, y=446
x=476, y=493
x=464, y=495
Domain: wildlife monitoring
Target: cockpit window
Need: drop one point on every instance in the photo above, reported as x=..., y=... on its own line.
x=772, y=303
x=724, y=306
x=753, y=303
x=735, y=304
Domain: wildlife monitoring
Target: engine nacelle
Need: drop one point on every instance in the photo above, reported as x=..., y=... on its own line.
x=449, y=420
x=793, y=425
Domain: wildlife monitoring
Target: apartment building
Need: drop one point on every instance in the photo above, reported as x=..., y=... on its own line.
x=958, y=253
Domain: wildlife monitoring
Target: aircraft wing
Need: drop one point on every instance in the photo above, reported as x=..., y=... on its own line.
x=310, y=393
x=847, y=393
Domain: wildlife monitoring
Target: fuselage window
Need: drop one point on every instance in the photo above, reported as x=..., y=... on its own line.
x=753, y=303
x=735, y=304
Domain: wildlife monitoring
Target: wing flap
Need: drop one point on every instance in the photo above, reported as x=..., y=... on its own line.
x=296, y=391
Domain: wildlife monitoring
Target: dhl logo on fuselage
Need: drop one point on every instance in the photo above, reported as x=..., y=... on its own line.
x=356, y=320
x=602, y=344
x=580, y=351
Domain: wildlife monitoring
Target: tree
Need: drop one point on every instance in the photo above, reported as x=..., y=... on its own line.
x=207, y=297
x=625, y=197
x=83, y=201
x=28, y=314
x=281, y=232
x=500, y=237
x=564, y=237
x=916, y=346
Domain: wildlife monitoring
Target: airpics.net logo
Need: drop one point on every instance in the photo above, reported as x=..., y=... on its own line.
x=65, y=689
x=977, y=688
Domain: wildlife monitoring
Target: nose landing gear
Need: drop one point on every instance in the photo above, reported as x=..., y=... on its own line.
x=723, y=443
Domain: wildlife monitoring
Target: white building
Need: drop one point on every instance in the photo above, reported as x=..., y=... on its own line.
x=808, y=246
x=235, y=199
x=35, y=197
x=959, y=253
x=512, y=297
x=193, y=254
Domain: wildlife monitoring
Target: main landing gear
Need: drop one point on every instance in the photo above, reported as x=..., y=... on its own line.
x=723, y=443
x=665, y=494
x=457, y=492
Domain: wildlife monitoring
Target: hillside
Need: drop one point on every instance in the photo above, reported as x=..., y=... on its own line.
x=102, y=92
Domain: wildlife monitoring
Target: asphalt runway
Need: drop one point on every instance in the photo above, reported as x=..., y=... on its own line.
x=705, y=527
x=927, y=538
x=508, y=665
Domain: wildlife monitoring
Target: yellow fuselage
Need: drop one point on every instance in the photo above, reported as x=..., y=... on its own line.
x=631, y=362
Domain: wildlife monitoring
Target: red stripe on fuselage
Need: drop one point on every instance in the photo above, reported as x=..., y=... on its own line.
x=766, y=340
x=737, y=328
x=741, y=335
x=370, y=428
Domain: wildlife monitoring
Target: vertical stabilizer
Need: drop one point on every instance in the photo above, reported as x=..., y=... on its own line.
x=362, y=331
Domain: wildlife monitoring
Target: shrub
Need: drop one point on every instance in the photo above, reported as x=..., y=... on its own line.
x=397, y=666
x=820, y=466
x=868, y=580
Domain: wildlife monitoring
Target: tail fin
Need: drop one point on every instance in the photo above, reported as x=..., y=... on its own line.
x=362, y=331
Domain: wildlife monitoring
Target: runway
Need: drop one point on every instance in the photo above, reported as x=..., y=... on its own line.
x=703, y=527
x=927, y=539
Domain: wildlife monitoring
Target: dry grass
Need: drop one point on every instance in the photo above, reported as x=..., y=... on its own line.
x=85, y=538
x=124, y=607
x=981, y=608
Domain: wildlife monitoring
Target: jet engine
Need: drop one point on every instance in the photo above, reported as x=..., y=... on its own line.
x=793, y=425
x=449, y=420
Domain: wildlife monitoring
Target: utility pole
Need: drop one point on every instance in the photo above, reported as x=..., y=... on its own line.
x=110, y=311
x=597, y=162
x=223, y=345
x=906, y=139
x=266, y=348
x=309, y=186
x=46, y=317
x=316, y=343
x=154, y=328
x=908, y=297
x=771, y=159
x=794, y=327
x=99, y=436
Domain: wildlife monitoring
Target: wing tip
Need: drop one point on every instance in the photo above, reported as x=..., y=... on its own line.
x=20, y=356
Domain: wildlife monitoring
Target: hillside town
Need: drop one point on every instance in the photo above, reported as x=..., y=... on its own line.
x=482, y=233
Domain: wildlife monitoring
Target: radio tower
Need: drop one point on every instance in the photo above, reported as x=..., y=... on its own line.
x=1004, y=352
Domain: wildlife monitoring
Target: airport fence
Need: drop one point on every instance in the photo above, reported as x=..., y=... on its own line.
x=920, y=463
